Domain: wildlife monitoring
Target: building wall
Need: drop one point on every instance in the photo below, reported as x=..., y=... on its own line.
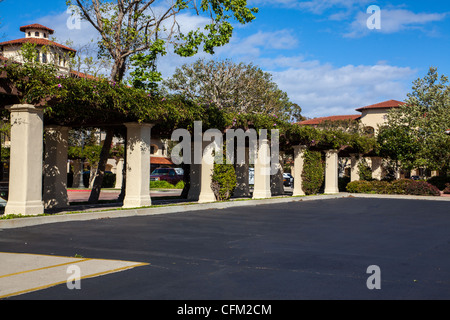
x=374, y=118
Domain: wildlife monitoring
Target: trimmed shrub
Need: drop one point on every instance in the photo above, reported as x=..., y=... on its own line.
x=161, y=185
x=223, y=181
x=109, y=180
x=400, y=186
x=180, y=185
x=439, y=181
x=422, y=188
x=313, y=172
x=403, y=186
x=381, y=187
x=360, y=186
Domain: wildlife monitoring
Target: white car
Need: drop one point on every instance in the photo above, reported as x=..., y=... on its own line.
x=251, y=176
x=288, y=180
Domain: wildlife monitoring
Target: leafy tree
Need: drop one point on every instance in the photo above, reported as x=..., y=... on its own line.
x=233, y=87
x=139, y=30
x=416, y=132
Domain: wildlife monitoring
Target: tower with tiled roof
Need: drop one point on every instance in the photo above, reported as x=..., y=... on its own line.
x=47, y=50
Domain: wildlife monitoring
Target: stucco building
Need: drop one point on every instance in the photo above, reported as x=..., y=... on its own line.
x=370, y=120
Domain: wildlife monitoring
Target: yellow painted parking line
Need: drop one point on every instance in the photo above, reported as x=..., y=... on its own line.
x=43, y=268
x=41, y=274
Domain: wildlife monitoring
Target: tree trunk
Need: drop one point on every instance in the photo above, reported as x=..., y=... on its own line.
x=118, y=70
x=104, y=155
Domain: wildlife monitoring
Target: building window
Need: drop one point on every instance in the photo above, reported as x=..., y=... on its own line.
x=45, y=35
x=44, y=57
x=36, y=34
x=29, y=33
x=37, y=55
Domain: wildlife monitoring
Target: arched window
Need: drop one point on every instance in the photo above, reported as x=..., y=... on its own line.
x=44, y=57
x=36, y=34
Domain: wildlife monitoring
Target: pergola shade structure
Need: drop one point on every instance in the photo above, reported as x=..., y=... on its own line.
x=49, y=106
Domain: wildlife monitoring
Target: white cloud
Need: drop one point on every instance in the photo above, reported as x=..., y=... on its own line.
x=323, y=90
x=394, y=20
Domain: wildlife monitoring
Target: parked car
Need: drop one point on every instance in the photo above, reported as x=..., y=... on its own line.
x=288, y=180
x=251, y=176
x=166, y=174
x=415, y=177
x=179, y=171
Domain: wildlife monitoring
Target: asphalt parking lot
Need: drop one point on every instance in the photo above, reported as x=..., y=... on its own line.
x=293, y=251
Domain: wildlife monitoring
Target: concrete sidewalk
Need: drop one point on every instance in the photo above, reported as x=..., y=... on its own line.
x=118, y=212
x=22, y=273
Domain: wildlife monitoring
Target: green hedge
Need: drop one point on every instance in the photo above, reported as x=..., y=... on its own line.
x=402, y=186
x=161, y=185
x=313, y=172
x=223, y=181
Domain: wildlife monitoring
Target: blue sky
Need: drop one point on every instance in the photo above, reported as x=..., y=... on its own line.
x=319, y=51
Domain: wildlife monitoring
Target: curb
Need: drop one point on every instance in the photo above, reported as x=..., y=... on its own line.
x=177, y=208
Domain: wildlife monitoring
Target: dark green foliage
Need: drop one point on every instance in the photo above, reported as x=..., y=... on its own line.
x=447, y=189
x=313, y=172
x=402, y=186
x=223, y=181
x=342, y=183
x=439, y=181
x=365, y=172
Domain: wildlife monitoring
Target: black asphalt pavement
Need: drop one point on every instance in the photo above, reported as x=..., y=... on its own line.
x=294, y=251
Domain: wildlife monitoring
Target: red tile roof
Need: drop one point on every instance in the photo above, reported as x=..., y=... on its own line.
x=83, y=75
x=36, y=26
x=160, y=160
x=316, y=121
x=38, y=41
x=383, y=105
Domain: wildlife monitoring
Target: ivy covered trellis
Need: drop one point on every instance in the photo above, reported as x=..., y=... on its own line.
x=86, y=102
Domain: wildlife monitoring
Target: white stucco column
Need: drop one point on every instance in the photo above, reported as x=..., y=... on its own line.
x=25, y=177
x=376, y=168
x=242, y=174
x=354, y=166
x=299, y=161
x=207, y=169
x=119, y=174
x=331, y=172
x=55, y=167
x=262, y=171
x=137, y=190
